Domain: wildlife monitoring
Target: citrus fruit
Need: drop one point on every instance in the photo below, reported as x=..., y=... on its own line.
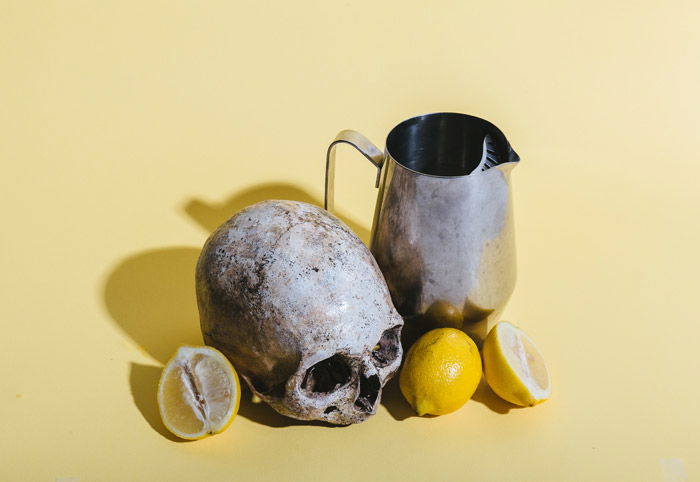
x=198, y=392
x=441, y=372
x=513, y=366
x=445, y=315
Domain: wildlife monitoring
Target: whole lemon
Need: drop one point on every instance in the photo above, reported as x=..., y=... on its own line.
x=441, y=372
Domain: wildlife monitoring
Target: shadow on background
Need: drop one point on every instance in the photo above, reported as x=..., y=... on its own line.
x=493, y=402
x=262, y=413
x=144, y=387
x=151, y=297
x=212, y=215
x=399, y=409
x=143, y=380
x=394, y=402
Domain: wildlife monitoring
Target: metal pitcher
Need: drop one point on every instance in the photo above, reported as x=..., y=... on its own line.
x=442, y=233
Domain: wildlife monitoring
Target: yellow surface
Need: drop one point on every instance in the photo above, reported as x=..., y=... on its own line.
x=129, y=130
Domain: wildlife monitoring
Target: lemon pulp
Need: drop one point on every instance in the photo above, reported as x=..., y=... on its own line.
x=513, y=366
x=198, y=393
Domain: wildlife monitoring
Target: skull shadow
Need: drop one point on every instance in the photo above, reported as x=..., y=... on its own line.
x=151, y=297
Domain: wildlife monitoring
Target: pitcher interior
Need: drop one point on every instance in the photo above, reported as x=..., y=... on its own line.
x=447, y=144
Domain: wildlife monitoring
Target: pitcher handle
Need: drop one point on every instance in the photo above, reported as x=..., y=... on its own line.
x=362, y=144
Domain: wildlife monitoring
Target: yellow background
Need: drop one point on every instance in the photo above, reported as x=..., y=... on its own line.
x=129, y=130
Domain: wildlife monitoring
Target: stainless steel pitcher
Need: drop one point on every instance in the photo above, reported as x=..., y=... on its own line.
x=443, y=225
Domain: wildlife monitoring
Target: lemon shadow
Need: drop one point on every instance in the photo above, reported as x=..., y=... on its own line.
x=151, y=296
x=211, y=215
x=493, y=402
x=397, y=406
x=144, y=387
x=144, y=379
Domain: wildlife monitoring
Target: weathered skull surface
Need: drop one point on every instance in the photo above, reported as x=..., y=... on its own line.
x=298, y=304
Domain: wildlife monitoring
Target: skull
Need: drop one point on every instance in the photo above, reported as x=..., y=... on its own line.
x=297, y=303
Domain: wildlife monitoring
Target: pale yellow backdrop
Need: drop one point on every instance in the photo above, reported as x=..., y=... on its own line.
x=130, y=129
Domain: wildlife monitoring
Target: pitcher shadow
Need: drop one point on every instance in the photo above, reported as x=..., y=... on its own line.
x=210, y=215
x=151, y=297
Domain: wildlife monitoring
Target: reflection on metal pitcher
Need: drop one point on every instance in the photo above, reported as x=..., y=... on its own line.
x=443, y=225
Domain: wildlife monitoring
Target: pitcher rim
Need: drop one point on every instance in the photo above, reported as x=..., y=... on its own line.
x=513, y=157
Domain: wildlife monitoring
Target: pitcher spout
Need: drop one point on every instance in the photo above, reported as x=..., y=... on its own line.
x=508, y=166
x=502, y=156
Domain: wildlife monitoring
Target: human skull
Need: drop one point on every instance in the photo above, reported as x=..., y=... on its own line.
x=297, y=303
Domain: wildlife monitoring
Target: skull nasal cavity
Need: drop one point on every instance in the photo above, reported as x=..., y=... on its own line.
x=369, y=391
x=327, y=375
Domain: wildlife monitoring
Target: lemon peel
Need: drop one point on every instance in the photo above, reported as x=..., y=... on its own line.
x=441, y=372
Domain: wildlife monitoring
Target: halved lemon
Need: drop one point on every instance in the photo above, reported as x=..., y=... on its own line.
x=513, y=366
x=198, y=392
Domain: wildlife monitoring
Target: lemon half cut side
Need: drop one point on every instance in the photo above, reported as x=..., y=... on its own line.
x=513, y=366
x=198, y=393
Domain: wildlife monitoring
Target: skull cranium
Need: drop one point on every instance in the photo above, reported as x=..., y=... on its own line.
x=298, y=304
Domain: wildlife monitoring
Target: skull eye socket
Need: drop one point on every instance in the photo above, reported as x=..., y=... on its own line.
x=327, y=375
x=387, y=348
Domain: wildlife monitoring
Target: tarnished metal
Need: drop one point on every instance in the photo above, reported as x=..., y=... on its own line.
x=362, y=144
x=443, y=226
